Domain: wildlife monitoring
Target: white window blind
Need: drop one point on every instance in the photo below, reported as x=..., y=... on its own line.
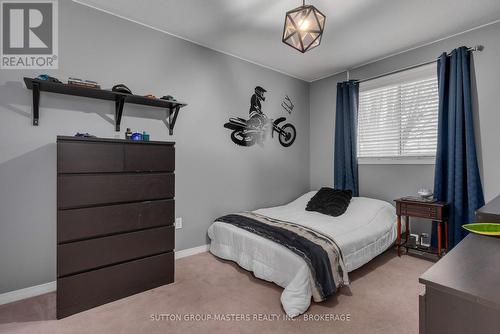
x=398, y=116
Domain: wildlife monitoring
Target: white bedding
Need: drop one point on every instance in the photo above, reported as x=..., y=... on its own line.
x=365, y=230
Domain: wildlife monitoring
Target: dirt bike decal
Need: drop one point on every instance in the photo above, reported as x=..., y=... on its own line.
x=249, y=132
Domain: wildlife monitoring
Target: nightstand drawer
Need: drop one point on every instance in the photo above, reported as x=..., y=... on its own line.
x=419, y=213
x=419, y=210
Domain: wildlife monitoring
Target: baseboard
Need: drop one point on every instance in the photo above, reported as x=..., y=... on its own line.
x=33, y=291
x=191, y=251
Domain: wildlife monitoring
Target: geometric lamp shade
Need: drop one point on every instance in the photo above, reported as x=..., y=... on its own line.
x=304, y=27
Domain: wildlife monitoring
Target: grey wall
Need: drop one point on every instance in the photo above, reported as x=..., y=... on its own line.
x=214, y=176
x=390, y=181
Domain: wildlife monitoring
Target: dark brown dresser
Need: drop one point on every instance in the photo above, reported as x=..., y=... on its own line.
x=115, y=216
x=462, y=290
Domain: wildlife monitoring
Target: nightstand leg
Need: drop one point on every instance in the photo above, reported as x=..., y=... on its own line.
x=440, y=237
x=399, y=236
x=446, y=236
x=407, y=229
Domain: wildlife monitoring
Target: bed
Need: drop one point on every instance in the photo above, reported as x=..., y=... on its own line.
x=365, y=230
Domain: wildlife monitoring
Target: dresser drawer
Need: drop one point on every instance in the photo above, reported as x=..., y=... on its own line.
x=93, y=253
x=92, y=222
x=152, y=158
x=81, y=190
x=82, y=157
x=83, y=291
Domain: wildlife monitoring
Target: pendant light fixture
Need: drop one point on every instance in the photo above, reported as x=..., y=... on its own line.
x=303, y=27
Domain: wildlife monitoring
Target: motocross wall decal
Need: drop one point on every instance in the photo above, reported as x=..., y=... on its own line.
x=254, y=130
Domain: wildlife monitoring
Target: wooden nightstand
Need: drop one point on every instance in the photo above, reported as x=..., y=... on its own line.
x=433, y=211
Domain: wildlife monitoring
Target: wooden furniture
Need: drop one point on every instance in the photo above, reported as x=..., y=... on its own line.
x=462, y=290
x=433, y=211
x=490, y=213
x=120, y=99
x=115, y=216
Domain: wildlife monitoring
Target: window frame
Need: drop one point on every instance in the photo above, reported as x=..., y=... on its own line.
x=421, y=72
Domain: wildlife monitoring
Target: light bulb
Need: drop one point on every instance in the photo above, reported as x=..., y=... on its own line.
x=303, y=25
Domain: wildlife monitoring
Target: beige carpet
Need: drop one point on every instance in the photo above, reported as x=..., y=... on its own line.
x=383, y=298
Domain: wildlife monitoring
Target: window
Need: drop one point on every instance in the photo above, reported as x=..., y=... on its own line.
x=397, y=119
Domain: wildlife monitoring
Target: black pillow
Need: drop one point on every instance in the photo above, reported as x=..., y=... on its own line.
x=328, y=201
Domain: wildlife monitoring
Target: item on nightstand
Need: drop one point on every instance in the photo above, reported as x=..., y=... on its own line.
x=128, y=134
x=413, y=240
x=424, y=193
x=145, y=136
x=425, y=240
x=416, y=237
x=136, y=136
x=84, y=135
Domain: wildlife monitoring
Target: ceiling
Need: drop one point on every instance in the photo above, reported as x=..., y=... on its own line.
x=356, y=31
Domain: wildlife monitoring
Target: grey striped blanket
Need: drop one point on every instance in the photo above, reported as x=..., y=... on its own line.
x=319, y=251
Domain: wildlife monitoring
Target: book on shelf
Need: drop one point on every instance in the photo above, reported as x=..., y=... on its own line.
x=86, y=85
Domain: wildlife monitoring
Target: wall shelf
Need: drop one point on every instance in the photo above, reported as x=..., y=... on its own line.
x=120, y=99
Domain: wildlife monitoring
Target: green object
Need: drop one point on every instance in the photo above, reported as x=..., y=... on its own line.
x=145, y=136
x=492, y=229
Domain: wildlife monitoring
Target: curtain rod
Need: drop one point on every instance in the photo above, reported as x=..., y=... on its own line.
x=473, y=49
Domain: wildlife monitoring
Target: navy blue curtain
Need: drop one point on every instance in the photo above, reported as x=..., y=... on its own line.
x=456, y=178
x=345, y=159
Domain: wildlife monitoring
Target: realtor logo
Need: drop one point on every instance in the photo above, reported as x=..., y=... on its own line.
x=29, y=34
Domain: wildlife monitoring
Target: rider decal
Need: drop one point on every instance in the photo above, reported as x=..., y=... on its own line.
x=251, y=131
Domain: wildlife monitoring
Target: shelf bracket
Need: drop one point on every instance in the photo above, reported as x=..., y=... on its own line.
x=119, y=102
x=36, y=103
x=172, y=118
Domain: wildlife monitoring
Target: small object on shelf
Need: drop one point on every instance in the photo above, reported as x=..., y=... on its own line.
x=136, y=136
x=413, y=240
x=46, y=77
x=121, y=88
x=84, y=135
x=92, y=84
x=145, y=136
x=425, y=240
x=491, y=229
x=83, y=83
x=128, y=134
x=151, y=96
x=168, y=98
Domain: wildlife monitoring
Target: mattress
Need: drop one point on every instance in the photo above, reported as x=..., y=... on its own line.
x=365, y=230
